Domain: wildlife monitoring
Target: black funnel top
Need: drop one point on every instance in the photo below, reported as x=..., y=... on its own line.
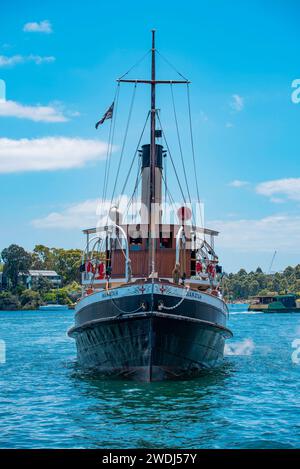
x=146, y=156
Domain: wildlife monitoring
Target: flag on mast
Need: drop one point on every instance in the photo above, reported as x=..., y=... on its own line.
x=107, y=115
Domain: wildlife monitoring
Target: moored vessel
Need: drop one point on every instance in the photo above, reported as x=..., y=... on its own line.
x=275, y=303
x=151, y=306
x=53, y=307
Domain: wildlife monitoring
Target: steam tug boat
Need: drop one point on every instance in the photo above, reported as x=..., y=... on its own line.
x=151, y=306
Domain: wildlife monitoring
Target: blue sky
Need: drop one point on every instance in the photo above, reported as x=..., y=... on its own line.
x=60, y=62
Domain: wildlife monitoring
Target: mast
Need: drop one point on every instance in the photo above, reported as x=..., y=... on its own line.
x=152, y=206
x=152, y=200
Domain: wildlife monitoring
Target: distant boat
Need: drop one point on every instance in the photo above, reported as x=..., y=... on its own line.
x=275, y=304
x=235, y=307
x=54, y=307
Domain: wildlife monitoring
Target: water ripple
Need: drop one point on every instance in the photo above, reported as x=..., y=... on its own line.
x=47, y=401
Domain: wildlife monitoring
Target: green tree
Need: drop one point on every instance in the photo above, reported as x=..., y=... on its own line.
x=8, y=301
x=42, y=285
x=30, y=299
x=42, y=258
x=67, y=263
x=16, y=260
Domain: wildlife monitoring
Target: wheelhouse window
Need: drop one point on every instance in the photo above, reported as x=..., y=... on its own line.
x=165, y=240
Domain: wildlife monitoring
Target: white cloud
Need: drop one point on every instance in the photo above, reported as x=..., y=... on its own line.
x=237, y=102
x=75, y=216
x=34, y=113
x=88, y=213
x=288, y=187
x=38, y=27
x=6, y=61
x=281, y=232
x=48, y=153
x=238, y=183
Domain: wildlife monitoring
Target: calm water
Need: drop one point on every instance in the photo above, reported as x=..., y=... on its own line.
x=253, y=401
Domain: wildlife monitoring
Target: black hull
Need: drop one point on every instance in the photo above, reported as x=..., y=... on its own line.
x=150, y=347
x=153, y=345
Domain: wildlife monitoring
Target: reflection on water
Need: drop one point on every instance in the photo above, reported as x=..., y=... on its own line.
x=47, y=400
x=154, y=409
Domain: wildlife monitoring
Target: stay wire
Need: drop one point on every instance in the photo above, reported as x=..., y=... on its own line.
x=124, y=143
x=109, y=148
x=112, y=139
x=136, y=64
x=180, y=146
x=172, y=161
x=193, y=153
x=171, y=65
x=135, y=153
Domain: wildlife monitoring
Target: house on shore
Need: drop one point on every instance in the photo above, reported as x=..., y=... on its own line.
x=33, y=277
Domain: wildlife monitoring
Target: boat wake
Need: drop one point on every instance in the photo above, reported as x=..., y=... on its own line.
x=244, y=347
x=232, y=313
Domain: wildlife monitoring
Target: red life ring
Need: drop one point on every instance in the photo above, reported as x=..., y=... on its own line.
x=100, y=269
x=211, y=270
x=89, y=266
x=199, y=267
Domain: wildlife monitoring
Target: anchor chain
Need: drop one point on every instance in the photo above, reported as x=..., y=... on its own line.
x=178, y=304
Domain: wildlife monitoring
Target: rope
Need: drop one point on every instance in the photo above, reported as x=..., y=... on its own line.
x=172, y=202
x=172, y=161
x=179, y=302
x=124, y=143
x=136, y=64
x=165, y=201
x=111, y=144
x=123, y=311
x=193, y=152
x=106, y=164
x=180, y=146
x=135, y=153
x=171, y=65
x=137, y=182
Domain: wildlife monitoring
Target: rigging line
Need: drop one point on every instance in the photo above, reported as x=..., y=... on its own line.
x=136, y=64
x=172, y=161
x=171, y=65
x=113, y=123
x=138, y=180
x=106, y=165
x=193, y=154
x=180, y=146
x=124, y=143
x=165, y=201
x=122, y=249
x=131, y=198
x=135, y=153
x=112, y=139
x=107, y=153
x=171, y=199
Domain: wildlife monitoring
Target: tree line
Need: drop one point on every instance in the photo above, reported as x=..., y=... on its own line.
x=15, y=264
x=15, y=260
x=242, y=285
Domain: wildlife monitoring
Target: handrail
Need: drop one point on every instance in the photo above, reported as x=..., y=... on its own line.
x=178, y=237
x=127, y=259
